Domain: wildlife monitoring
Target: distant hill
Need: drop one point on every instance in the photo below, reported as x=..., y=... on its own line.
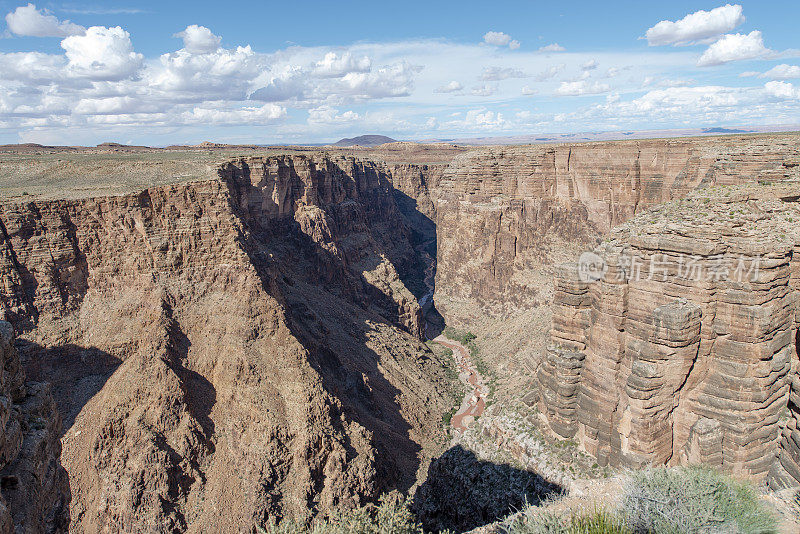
x=724, y=130
x=364, y=140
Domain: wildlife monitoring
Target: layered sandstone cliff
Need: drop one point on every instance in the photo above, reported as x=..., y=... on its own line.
x=227, y=350
x=675, y=342
x=507, y=210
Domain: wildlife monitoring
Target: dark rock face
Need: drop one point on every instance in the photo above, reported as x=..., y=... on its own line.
x=682, y=348
x=34, y=490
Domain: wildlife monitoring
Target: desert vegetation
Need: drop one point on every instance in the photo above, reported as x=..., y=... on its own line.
x=662, y=501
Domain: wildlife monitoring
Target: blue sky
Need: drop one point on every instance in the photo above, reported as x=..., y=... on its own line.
x=286, y=72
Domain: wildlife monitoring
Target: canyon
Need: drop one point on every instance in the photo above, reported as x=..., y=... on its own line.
x=233, y=334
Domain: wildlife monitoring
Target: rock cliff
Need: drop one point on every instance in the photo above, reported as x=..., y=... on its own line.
x=507, y=210
x=226, y=350
x=34, y=491
x=675, y=342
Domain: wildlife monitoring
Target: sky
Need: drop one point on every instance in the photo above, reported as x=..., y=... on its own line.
x=159, y=73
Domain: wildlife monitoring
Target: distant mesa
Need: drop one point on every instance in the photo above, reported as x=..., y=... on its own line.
x=725, y=130
x=118, y=146
x=365, y=140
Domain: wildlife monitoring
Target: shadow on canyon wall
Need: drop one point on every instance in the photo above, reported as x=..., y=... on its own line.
x=462, y=492
x=336, y=335
x=75, y=373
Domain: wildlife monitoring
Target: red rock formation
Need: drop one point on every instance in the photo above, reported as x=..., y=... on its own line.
x=688, y=353
x=504, y=208
x=34, y=492
x=246, y=332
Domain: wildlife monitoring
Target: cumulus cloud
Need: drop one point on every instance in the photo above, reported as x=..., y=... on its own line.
x=330, y=115
x=385, y=82
x=281, y=84
x=482, y=119
x=782, y=90
x=696, y=27
x=734, y=47
x=500, y=39
x=199, y=40
x=31, y=22
x=696, y=100
x=335, y=65
x=581, y=87
x=528, y=91
x=484, y=90
x=782, y=72
x=225, y=74
x=451, y=87
x=590, y=65
x=102, y=54
x=499, y=73
x=268, y=113
x=554, y=47
x=550, y=72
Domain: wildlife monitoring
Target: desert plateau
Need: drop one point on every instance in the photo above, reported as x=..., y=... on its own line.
x=481, y=327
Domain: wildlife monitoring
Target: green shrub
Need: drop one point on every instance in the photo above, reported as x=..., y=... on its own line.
x=391, y=516
x=693, y=499
x=598, y=522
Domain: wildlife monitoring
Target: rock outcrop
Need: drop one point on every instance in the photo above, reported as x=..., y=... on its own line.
x=675, y=341
x=508, y=210
x=228, y=350
x=34, y=491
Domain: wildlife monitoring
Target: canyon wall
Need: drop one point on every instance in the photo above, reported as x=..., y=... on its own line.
x=228, y=350
x=675, y=342
x=505, y=211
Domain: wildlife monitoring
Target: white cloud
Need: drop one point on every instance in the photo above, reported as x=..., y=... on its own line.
x=696, y=27
x=334, y=65
x=102, y=54
x=734, y=47
x=553, y=47
x=29, y=21
x=484, y=90
x=590, y=65
x=528, y=91
x=581, y=87
x=280, y=84
x=499, y=73
x=749, y=74
x=683, y=100
x=482, y=119
x=500, y=39
x=782, y=72
x=31, y=67
x=389, y=81
x=451, y=87
x=550, y=72
x=268, y=113
x=223, y=74
x=330, y=115
x=199, y=40
x=782, y=90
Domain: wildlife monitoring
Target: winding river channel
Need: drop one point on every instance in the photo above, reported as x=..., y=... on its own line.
x=475, y=399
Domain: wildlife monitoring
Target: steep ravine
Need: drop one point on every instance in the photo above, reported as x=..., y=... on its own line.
x=250, y=345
